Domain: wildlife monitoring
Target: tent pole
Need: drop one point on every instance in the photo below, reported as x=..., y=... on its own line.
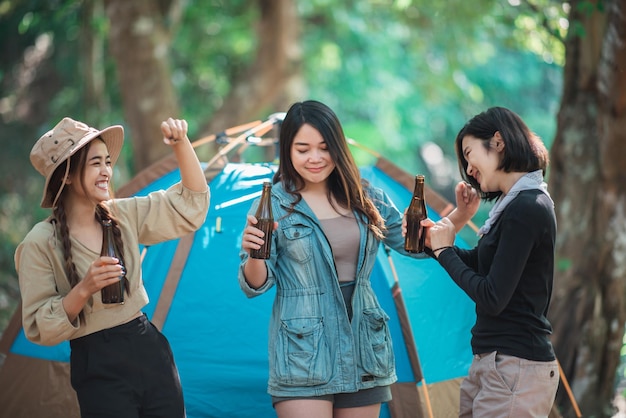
x=568, y=390
x=427, y=396
x=406, y=330
x=258, y=129
x=227, y=132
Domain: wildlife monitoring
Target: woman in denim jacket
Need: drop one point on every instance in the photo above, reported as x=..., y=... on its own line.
x=330, y=351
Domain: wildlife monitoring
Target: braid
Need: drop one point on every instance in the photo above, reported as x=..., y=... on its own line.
x=102, y=213
x=70, y=268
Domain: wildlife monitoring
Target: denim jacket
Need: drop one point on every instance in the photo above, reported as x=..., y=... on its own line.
x=314, y=349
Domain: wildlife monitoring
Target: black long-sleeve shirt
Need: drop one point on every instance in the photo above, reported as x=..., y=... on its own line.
x=509, y=276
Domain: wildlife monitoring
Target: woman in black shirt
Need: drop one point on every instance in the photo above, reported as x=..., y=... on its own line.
x=509, y=273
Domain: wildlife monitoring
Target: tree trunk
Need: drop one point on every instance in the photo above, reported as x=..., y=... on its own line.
x=272, y=81
x=139, y=44
x=588, y=184
x=92, y=62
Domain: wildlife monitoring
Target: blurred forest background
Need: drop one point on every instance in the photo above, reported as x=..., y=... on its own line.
x=403, y=76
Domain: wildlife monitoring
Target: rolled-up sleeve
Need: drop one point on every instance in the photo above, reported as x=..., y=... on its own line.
x=166, y=214
x=250, y=291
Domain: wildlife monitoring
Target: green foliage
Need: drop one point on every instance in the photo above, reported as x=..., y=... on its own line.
x=400, y=75
x=395, y=70
x=620, y=375
x=563, y=264
x=16, y=219
x=213, y=45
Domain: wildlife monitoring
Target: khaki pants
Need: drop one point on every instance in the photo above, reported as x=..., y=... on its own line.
x=500, y=386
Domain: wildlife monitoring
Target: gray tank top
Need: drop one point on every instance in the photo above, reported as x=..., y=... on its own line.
x=343, y=235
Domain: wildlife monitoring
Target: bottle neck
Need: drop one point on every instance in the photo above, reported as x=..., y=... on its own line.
x=264, y=211
x=419, y=190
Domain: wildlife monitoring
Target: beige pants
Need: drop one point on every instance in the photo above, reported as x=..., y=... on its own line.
x=500, y=386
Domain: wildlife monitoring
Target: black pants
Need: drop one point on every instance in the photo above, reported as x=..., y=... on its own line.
x=126, y=372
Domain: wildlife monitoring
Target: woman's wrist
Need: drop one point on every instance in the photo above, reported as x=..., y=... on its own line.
x=439, y=250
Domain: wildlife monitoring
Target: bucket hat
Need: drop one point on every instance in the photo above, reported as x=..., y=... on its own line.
x=63, y=141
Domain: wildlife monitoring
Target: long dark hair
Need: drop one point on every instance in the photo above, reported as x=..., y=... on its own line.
x=523, y=150
x=77, y=165
x=344, y=183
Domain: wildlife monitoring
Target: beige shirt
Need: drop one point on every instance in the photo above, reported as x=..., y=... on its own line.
x=160, y=216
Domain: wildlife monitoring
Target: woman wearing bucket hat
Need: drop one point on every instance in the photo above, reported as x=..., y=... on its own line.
x=121, y=365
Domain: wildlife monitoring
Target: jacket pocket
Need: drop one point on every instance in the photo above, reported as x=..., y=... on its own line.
x=375, y=343
x=302, y=357
x=299, y=244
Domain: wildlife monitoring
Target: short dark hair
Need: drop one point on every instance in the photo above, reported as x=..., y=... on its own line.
x=523, y=149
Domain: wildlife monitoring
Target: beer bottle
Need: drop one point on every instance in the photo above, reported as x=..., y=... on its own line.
x=113, y=293
x=415, y=234
x=265, y=222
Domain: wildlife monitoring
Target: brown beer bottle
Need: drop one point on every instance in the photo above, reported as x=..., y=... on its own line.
x=265, y=222
x=113, y=293
x=416, y=212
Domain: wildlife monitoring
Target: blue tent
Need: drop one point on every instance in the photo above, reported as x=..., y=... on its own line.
x=219, y=337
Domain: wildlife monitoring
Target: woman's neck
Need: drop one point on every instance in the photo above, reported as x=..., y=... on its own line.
x=80, y=213
x=509, y=181
x=315, y=189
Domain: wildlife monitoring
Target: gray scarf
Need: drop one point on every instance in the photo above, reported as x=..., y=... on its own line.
x=529, y=181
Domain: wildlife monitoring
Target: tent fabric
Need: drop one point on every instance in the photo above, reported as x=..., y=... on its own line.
x=219, y=337
x=32, y=387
